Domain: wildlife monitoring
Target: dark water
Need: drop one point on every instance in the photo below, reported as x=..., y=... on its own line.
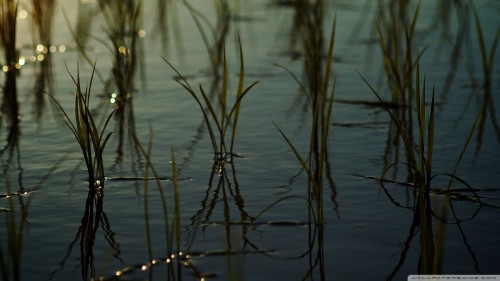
x=253, y=222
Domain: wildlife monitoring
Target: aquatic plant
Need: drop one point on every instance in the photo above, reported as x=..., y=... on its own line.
x=319, y=92
x=42, y=16
x=214, y=40
x=91, y=140
x=219, y=122
x=487, y=62
x=10, y=256
x=167, y=24
x=322, y=102
x=419, y=150
x=8, y=26
x=486, y=58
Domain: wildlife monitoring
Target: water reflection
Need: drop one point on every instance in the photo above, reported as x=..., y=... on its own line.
x=42, y=16
x=123, y=23
x=166, y=25
x=430, y=220
x=226, y=190
x=9, y=110
x=316, y=95
x=94, y=218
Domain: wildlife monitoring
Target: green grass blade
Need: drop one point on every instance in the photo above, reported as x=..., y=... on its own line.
x=239, y=92
x=430, y=137
x=404, y=134
x=482, y=44
x=329, y=57
x=302, y=162
x=301, y=85
x=469, y=137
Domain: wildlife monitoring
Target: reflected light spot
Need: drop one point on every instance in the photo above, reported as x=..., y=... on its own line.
x=5, y=68
x=40, y=57
x=17, y=66
x=144, y=267
x=118, y=273
x=32, y=58
x=62, y=48
x=39, y=48
x=167, y=260
x=154, y=261
x=52, y=49
x=23, y=14
x=113, y=98
x=122, y=50
x=22, y=60
x=141, y=33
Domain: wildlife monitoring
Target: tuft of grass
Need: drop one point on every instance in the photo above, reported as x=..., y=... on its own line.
x=8, y=25
x=43, y=17
x=89, y=137
x=322, y=103
x=419, y=149
x=213, y=39
x=218, y=122
x=486, y=57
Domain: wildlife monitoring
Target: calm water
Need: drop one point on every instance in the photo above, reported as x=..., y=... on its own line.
x=251, y=223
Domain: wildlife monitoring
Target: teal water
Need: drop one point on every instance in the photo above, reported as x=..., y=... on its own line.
x=226, y=226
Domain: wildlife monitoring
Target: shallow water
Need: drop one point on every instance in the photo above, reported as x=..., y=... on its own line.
x=226, y=226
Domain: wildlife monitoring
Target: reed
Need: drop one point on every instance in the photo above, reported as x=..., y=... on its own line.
x=8, y=26
x=218, y=122
x=487, y=58
x=419, y=149
x=42, y=15
x=11, y=255
x=89, y=137
x=213, y=39
x=321, y=98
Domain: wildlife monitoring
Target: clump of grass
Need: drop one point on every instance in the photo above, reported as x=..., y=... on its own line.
x=218, y=122
x=42, y=15
x=214, y=39
x=487, y=58
x=91, y=140
x=8, y=25
x=322, y=102
x=419, y=149
x=10, y=257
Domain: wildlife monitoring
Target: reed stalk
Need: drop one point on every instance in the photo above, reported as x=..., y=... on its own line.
x=419, y=149
x=91, y=140
x=8, y=27
x=321, y=98
x=219, y=119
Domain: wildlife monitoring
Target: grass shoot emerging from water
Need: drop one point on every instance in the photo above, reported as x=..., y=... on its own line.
x=419, y=148
x=90, y=139
x=322, y=103
x=218, y=122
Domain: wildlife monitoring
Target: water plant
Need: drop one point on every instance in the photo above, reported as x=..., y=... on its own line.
x=89, y=137
x=8, y=24
x=419, y=149
x=42, y=16
x=218, y=122
x=214, y=40
x=14, y=225
x=487, y=59
x=320, y=96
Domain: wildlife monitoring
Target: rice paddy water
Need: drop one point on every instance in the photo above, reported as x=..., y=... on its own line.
x=248, y=140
